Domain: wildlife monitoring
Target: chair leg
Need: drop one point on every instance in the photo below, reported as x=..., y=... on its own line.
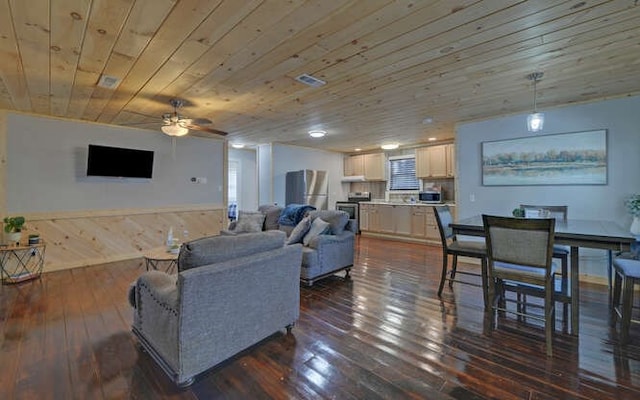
x=550, y=318
x=564, y=287
x=627, y=304
x=454, y=267
x=615, y=301
x=485, y=283
x=443, y=276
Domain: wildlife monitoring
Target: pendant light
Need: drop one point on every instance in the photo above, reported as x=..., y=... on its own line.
x=535, y=121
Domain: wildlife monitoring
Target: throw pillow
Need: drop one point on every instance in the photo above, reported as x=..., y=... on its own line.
x=249, y=221
x=318, y=227
x=337, y=219
x=299, y=231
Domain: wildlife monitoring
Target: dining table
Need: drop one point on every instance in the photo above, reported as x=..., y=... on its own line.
x=575, y=233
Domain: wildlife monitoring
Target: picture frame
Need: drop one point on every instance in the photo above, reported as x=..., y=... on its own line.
x=576, y=158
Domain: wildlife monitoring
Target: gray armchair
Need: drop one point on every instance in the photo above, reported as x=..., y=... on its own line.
x=230, y=293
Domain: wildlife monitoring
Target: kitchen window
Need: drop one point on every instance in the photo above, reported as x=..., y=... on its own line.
x=402, y=173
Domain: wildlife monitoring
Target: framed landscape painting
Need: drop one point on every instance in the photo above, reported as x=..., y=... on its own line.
x=578, y=158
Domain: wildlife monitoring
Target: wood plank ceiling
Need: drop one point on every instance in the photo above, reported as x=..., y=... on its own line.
x=388, y=64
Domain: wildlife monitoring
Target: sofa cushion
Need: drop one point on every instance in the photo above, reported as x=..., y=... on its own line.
x=337, y=219
x=271, y=214
x=214, y=249
x=299, y=231
x=318, y=227
x=250, y=221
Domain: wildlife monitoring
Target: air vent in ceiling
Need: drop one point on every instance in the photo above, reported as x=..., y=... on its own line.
x=310, y=80
x=108, y=82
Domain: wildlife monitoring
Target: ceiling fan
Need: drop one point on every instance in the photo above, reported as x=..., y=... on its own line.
x=178, y=125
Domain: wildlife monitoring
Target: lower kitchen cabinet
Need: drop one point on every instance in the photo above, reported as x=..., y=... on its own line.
x=416, y=223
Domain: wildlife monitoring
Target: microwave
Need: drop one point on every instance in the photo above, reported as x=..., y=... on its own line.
x=430, y=196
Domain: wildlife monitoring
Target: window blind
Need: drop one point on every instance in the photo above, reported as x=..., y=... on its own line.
x=402, y=173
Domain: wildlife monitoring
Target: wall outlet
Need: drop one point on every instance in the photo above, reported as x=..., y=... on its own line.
x=472, y=197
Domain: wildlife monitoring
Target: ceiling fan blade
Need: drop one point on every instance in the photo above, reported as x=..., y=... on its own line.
x=205, y=129
x=200, y=121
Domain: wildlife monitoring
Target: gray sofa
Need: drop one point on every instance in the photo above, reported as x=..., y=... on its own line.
x=323, y=256
x=332, y=252
x=230, y=293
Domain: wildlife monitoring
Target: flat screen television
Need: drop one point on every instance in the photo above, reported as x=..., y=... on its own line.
x=119, y=162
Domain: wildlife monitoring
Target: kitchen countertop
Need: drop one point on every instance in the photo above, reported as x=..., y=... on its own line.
x=398, y=203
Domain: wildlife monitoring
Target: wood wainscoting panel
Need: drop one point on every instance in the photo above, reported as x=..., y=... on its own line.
x=81, y=238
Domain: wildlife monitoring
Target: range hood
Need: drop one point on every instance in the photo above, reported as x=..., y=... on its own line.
x=353, y=178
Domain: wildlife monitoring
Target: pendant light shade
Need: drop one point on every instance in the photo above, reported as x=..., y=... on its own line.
x=535, y=120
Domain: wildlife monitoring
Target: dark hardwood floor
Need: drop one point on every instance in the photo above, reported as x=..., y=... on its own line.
x=382, y=334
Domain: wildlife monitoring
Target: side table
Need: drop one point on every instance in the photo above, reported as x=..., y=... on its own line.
x=19, y=263
x=154, y=258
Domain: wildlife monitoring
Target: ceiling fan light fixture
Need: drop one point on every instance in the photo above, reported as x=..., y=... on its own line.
x=535, y=120
x=174, y=130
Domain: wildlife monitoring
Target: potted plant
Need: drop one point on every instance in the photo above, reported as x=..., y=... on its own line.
x=633, y=206
x=13, y=229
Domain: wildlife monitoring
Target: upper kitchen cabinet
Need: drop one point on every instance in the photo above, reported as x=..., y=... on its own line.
x=369, y=166
x=435, y=161
x=354, y=165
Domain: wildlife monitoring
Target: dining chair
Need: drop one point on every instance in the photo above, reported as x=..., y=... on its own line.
x=626, y=276
x=519, y=252
x=560, y=252
x=455, y=247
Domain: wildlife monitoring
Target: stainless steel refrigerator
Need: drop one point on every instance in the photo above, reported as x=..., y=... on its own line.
x=307, y=186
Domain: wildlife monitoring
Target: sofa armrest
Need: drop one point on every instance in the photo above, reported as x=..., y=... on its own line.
x=159, y=287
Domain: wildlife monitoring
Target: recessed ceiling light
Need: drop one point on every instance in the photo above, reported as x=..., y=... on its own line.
x=427, y=120
x=358, y=149
x=317, y=133
x=237, y=145
x=390, y=146
x=431, y=139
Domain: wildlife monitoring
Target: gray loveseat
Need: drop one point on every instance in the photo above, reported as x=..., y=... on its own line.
x=230, y=293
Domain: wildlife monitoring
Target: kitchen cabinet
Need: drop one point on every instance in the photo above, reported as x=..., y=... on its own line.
x=374, y=167
x=424, y=224
x=363, y=218
x=435, y=161
x=407, y=222
x=394, y=219
x=371, y=166
x=354, y=165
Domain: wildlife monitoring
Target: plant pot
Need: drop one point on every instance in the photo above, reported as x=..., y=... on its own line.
x=635, y=226
x=12, y=237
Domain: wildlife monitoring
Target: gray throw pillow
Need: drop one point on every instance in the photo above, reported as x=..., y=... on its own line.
x=249, y=221
x=336, y=219
x=299, y=231
x=318, y=227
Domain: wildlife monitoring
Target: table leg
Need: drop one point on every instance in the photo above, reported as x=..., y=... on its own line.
x=575, y=292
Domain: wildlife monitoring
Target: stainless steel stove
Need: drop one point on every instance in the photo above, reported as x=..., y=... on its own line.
x=352, y=206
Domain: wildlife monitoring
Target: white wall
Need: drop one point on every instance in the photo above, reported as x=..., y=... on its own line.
x=293, y=158
x=247, y=177
x=265, y=174
x=621, y=117
x=46, y=167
